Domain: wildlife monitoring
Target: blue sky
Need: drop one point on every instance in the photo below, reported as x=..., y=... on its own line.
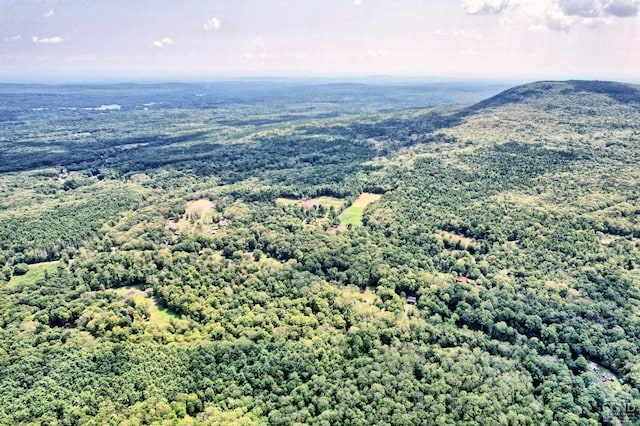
x=198, y=39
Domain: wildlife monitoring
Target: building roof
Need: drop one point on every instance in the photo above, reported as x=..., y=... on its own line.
x=460, y=279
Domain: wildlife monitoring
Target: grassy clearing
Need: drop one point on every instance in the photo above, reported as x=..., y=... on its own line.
x=34, y=274
x=366, y=296
x=455, y=238
x=363, y=303
x=337, y=203
x=353, y=214
x=157, y=315
x=327, y=202
x=335, y=229
x=365, y=199
x=287, y=201
x=197, y=210
x=196, y=213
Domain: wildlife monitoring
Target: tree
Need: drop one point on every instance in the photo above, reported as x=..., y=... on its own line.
x=20, y=269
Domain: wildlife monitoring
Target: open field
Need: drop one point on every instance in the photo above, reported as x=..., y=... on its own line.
x=327, y=202
x=198, y=209
x=195, y=213
x=365, y=199
x=157, y=315
x=363, y=303
x=287, y=201
x=36, y=272
x=353, y=214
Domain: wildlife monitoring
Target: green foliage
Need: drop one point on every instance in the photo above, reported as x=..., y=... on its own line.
x=351, y=216
x=20, y=269
x=513, y=223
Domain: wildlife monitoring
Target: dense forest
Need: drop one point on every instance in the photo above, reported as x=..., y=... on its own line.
x=290, y=253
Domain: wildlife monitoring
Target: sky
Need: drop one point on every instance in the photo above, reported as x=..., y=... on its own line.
x=84, y=40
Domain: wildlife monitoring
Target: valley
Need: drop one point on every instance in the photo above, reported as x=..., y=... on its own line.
x=305, y=253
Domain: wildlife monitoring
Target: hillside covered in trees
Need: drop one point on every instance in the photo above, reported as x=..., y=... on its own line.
x=287, y=253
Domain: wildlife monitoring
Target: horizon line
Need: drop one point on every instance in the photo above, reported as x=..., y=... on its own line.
x=350, y=78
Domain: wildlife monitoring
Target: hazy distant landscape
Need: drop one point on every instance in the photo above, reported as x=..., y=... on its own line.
x=337, y=212
x=296, y=252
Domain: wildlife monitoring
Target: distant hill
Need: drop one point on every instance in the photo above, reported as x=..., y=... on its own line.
x=561, y=114
x=555, y=92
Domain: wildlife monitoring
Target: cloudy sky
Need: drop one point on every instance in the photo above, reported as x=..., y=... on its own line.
x=147, y=39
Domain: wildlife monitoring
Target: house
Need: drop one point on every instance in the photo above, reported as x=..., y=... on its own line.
x=606, y=377
x=411, y=300
x=460, y=279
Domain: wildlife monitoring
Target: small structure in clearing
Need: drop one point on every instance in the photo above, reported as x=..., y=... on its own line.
x=199, y=216
x=602, y=374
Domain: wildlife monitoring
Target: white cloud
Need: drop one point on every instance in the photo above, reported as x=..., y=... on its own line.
x=249, y=55
x=599, y=8
x=532, y=7
x=258, y=42
x=256, y=50
x=557, y=15
x=13, y=38
x=212, y=24
x=555, y=20
x=583, y=8
x=162, y=43
x=622, y=8
x=357, y=2
x=48, y=14
x=49, y=40
x=484, y=7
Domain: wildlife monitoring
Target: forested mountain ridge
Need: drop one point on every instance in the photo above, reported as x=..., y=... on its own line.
x=258, y=262
x=546, y=92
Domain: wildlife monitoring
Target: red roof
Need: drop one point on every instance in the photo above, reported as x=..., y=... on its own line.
x=462, y=279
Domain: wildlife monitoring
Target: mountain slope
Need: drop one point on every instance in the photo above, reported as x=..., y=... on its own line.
x=494, y=280
x=600, y=117
x=557, y=93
